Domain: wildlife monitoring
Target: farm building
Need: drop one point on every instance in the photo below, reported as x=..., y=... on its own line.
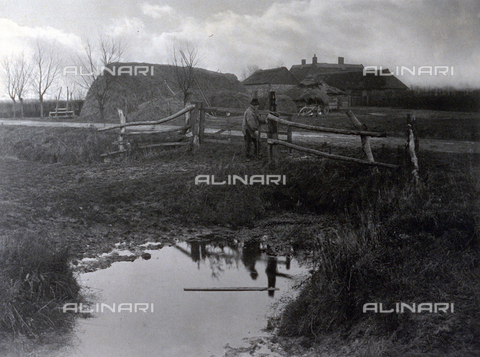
x=363, y=90
x=315, y=69
x=313, y=90
x=263, y=82
x=371, y=89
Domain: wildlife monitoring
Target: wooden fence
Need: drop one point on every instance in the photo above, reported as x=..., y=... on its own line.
x=125, y=140
x=198, y=116
x=363, y=133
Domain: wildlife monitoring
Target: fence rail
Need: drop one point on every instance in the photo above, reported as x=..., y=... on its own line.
x=324, y=129
x=362, y=131
x=161, y=121
x=195, y=122
x=330, y=156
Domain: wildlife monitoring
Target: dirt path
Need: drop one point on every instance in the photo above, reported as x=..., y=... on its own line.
x=436, y=145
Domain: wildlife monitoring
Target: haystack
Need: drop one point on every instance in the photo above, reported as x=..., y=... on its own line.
x=156, y=109
x=285, y=104
x=159, y=92
x=230, y=99
x=315, y=95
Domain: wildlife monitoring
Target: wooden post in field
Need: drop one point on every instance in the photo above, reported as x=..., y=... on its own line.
x=412, y=147
x=412, y=121
x=290, y=133
x=195, y=127
x=272, y=125
x=365, y=139
x=188, y=115
x=201, y=124
x=271, y=148
x=123, y=120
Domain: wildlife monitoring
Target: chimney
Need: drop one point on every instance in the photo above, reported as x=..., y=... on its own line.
x=314, y=59
x=341, y=60
x=304, y=61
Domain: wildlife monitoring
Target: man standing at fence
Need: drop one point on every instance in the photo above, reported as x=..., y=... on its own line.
x=251, y=124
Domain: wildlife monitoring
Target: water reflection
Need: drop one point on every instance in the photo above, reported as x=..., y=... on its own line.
x=183, y=323
x=251, y=253
x=218, y=253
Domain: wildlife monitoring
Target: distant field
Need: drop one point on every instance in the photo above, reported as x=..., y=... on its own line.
x=430, y=124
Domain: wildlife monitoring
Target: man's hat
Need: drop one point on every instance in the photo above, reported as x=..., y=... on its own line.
x=254, y=102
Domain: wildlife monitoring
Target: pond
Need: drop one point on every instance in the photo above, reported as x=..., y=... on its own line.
x=173, y=322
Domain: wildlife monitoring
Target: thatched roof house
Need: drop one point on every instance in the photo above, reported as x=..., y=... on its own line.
x=350, y=79
x=260, y=83
x=304, y=70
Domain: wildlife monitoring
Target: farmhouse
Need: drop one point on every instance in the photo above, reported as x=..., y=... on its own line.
x=262, y=82
x=368, y=89
x=315, y=69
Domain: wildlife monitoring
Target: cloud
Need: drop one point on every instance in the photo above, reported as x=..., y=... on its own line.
x=16, y=39
x=232, y=35
x=157, y=11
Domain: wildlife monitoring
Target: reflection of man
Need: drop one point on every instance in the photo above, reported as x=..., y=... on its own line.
x=251, y=123
x=271, y=274
x=251, y=253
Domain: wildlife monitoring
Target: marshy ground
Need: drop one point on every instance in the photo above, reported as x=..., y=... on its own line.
x=378, y=238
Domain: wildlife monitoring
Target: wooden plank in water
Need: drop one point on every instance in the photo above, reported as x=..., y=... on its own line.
x=180, y=143
x=231, y=289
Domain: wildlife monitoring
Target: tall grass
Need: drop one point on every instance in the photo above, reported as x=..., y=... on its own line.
x=400, y=244
x=54, y=145
x=35, y=280
x=392, y=242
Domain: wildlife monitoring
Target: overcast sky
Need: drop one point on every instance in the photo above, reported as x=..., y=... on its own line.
x=232, y=34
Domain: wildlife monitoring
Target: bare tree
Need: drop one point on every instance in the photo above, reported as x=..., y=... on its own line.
x=10, y=81
x=185, y=58
x=248, y=71
x=17, y=71
x=46, y=69
x=22, y=71
x=94, y=78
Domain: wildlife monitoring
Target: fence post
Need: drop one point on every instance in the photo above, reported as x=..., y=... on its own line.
x=195, y=127
x=123, y=120
x=201, y=124
x=365, y=139
x=289, y=133
x=272, y=125
x=412, y=148
x=270, y=152
x=412, y=121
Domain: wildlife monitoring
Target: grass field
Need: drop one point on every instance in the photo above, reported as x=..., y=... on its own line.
x=385, y=241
